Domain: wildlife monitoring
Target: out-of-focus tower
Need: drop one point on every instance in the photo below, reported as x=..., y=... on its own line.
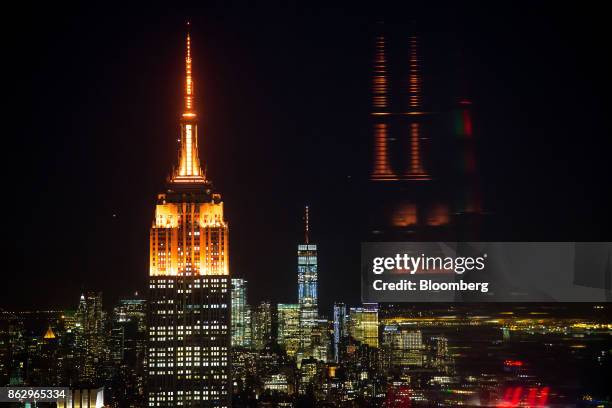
x=416, y=169
x=472, y=218
x=190, y=304
x=394, y=119
x=468, y=196
x=407, y=202
x=381, y=168
x=307, y=286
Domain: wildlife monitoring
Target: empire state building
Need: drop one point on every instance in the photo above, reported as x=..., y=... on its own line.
x=189, y=283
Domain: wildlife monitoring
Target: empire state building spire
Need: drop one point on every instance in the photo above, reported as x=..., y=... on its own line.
x=189, y=170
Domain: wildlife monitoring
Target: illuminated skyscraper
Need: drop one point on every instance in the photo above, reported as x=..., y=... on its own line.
x=130, y=330
x=10, y=335
x=364, y=324
x=289, y=327
x=190, y=289
x=261, y=325
x=131, y=310
x=340, y=329
x=320, y=338
x=93, y=335
x=307, y=285
x=241, y=314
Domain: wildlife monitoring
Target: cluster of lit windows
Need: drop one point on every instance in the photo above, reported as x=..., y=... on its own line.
x=161, y=286
x=198, y=249
x=170, y=311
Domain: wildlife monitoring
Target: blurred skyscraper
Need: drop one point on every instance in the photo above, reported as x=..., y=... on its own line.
x=424, y=181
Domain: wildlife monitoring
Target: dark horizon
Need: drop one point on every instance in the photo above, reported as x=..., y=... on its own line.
x=283, y=96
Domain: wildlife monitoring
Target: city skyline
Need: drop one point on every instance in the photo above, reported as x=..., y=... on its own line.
x=322, y=129
x=122, y=212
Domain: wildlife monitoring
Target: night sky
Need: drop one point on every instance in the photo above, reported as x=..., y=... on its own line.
x=94, y=97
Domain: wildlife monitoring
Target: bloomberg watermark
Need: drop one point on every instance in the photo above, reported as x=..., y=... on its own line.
x=486, y=271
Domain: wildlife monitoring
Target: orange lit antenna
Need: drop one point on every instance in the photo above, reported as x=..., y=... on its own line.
x=189, y=162
x=188, y=77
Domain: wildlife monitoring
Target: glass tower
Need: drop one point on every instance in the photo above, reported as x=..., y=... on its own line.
x=307, y=286
x=241, y=331
x=289, y=327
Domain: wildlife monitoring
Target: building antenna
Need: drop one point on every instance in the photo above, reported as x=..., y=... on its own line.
x=306, y=224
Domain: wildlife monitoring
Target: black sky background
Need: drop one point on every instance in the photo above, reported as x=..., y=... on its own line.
x=94, y=95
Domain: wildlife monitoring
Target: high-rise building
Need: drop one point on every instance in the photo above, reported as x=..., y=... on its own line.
x=308, y=371
x=131, y=310
x=307, y=285
x=129, y=346
x=320, y=340
x=117, y=344
x=261, y=325
x=289, y=327
x=93, y=323
x=69, y=318
x=364, y=324
x=11, y=343
x=241, y=314
x=340, y=329
x=189, y=284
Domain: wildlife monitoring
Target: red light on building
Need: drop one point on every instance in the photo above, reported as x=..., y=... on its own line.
x=532, y=397
x=513, y=363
